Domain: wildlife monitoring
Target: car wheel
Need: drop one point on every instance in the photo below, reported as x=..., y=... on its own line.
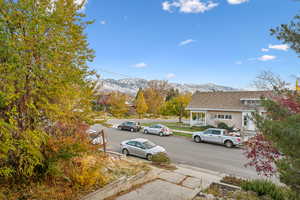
x=146, y=132
x=228, y=144
x=161, y=134
x=125, y=152
x=149, y=157
x=131, y=129
x=197, y=139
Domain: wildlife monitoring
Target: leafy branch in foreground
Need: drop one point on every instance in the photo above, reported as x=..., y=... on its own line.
x=44, y=81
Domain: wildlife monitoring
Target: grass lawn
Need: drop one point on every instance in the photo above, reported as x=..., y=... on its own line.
x=178, y=126
x=183, y=134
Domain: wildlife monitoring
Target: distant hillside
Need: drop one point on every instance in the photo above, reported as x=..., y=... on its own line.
x=131, y=85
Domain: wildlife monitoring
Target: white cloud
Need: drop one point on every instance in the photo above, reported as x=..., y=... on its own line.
x=238, y=62
x=167, y=6
x=170, y=75
x=140, y=65
x=103, y=22
x=185, y=42
x=235, y=2
x=189, y=6
x=282, y=47
x=266, y=58
x=264, y=50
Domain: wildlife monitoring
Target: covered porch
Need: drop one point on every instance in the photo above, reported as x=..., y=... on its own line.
x=198, y=118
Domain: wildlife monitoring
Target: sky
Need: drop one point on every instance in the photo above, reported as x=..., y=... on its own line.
x=225, y=42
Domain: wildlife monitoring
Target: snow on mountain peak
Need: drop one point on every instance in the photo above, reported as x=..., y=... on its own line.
x=131, y=85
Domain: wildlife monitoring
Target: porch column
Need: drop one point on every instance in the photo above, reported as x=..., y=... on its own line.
x=205, y=118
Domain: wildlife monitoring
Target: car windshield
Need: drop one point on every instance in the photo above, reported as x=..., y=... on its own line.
x=149, y=145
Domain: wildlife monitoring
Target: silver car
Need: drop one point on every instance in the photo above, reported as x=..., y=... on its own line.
x=141, y=147
x=158, y=129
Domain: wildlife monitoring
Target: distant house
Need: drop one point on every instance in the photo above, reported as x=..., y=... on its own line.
x=234, y=108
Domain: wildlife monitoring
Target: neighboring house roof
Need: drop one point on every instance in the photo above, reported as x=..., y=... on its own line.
x=224, y=100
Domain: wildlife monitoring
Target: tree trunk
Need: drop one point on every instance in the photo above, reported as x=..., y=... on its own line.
x=180, y=116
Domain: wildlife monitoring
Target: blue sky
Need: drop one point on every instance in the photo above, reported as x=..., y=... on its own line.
x=226, y=42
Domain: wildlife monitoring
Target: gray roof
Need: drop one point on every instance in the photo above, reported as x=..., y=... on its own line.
x=224, y=100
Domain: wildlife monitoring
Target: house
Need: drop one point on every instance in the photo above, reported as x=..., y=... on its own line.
x=234, y=108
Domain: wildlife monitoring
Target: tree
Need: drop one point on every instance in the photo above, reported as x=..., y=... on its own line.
x=172, y=93
x=279, y=130
x=117, y=104
x=140, y=103
x=177, y=105
x=279, y=134
x=155, y=95
x=44, y=80
x=138, y=93
x=289, y=33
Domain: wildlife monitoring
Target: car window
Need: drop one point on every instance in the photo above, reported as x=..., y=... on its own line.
x=131, y=143
x=139, y=145
x=158, y=126
x=149, y=145
x=216, y=132
x=130, y=123
x=208, y=132
x=152, y=126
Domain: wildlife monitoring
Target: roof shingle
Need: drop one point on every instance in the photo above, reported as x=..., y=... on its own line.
x=224, y=100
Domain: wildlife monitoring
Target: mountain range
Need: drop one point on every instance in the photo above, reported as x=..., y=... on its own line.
x=131, y=85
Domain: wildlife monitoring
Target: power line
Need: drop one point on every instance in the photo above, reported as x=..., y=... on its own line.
x=115, y=73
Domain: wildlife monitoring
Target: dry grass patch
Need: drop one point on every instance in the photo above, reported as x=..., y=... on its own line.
x=81, y=176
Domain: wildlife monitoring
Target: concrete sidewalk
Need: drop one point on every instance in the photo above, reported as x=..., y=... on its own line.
x=184, y=183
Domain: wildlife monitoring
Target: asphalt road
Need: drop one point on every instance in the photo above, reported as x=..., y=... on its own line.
x=183, y=150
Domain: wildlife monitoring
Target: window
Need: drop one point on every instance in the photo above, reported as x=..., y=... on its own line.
x=216, y=132
x=139, y=145
x=220, y=116
x=228, y=117
x=250, y=102
x=131, y=143
x=208, y=132
x=245, y=120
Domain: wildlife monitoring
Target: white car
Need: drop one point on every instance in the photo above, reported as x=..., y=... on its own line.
x=140, y=147
x=158, y=129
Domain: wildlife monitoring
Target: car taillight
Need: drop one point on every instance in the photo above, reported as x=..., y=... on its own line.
x=238, y=139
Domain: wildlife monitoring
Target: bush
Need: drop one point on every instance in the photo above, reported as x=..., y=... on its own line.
x=87, y=171
x=233, y=180
x=267, y=188
x=160, y=158
x=223, y=125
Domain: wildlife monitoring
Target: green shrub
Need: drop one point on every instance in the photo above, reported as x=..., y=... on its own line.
x=223, y=125
x=267, y=188
x=161, y=158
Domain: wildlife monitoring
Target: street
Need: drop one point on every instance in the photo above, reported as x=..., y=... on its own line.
x=184, y=151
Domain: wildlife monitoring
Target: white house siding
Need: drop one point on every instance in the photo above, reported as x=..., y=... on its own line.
x=236, y=120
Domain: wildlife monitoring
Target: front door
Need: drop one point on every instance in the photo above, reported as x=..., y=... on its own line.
x=248, y=122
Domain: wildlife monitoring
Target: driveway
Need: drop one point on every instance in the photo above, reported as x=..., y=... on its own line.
x=184, y=151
